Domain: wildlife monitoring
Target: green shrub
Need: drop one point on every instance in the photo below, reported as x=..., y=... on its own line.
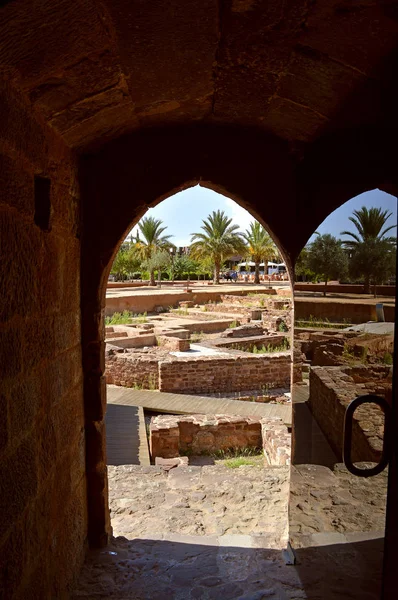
x=387, y=358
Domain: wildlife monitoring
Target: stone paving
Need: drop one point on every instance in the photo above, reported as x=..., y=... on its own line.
x=198, y=532
x=208, y=532
x=335, y=502
x=209, y=500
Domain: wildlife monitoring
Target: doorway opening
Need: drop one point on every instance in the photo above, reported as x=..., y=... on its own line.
x=344, y=341
x=198, y=367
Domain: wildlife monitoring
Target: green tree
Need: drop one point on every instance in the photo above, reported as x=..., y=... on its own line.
x=219, y=240
x=126, y=262
x=370, y=225
x=374, y=260
x=260, y=247
x=158, y=261
x=149, y=239
x=327, y=258
x=206, y=267
x=180, y=265
x=301, y=268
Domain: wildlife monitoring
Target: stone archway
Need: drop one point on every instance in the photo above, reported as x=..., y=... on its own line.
x=120, y=182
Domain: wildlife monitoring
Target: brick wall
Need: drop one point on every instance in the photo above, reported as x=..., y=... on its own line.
x=43, y=527
x=332, y=389
x=171, y=436
x=203, y=375
x=276, y=441
x=130, y=371
x=209, y=374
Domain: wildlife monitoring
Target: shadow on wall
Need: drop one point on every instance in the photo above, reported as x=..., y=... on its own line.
x=222, y=567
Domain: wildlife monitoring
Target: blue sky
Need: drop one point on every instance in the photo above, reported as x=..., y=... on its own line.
x=183, y=213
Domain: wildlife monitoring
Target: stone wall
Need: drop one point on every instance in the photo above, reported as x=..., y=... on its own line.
x=139, y=303
x=343, y=288
x=171, y=436
x=132, y=371
x=207, y=325
x=199, y=375
x=209, y=374
x=43, y=511
x=332, y=389
x=173, y=343
x=276, y=441
x=339, y=312
x=248, y=343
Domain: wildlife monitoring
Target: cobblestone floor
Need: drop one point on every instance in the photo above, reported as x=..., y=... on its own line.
x=209, y=532
x=200, y=500
x=326, y=501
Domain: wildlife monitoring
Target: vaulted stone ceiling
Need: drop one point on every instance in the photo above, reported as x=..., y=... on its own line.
x=295, y=68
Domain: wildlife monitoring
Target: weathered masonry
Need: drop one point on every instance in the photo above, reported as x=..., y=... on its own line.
x=106, y=108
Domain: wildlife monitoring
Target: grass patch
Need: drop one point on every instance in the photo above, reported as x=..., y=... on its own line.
x=269, y=349
x=125, y=318
x=233, y=324
x=282, y=327
x=238, y=457
x=245, y=451
x=235, y=463
x=321, y=323
x=181, y=311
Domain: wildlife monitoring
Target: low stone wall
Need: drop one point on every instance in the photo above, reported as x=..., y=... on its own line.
x=148, y=302
x=215, y=326
x=173, y=343
x=208, y=374
x=129, y=371
x=332, y=389
x=247, y=343
x=339, y=312
x=276, y=441
x=172, y=436
x=343, y=288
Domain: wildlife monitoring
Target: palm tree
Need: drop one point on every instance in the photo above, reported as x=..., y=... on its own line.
x=370, y=225
x=151, y=241
x=261, y=247
x=219, y=241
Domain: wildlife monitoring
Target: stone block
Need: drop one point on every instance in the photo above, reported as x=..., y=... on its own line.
x=18, y=482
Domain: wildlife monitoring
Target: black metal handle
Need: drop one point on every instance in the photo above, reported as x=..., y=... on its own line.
x=347, y=435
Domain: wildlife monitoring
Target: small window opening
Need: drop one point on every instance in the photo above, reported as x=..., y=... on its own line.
x=42, y=202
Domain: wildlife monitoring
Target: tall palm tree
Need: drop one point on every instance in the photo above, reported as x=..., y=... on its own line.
x=219, y=241
x=260, y=247
x=151, y=240
x=370, y=225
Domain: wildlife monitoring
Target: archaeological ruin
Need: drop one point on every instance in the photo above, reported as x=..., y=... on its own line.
x=204, y=349
x=107, y=109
